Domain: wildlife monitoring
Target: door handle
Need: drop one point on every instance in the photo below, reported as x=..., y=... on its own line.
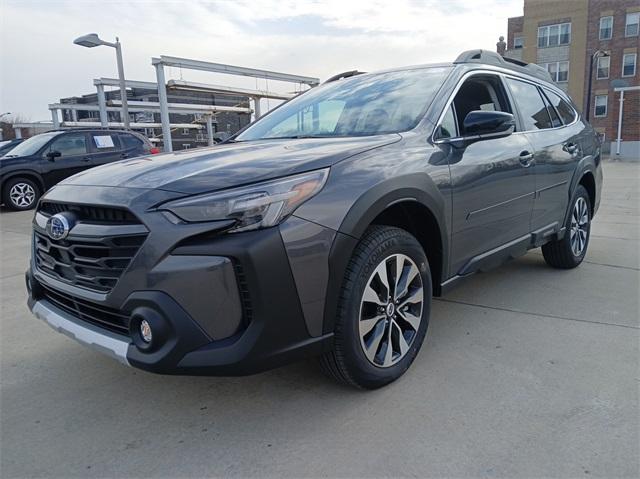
x=124, y=155
x=526, y=159
x=86, y=159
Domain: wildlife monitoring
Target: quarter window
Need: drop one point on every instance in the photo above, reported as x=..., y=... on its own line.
x=130, y=141
x=554, y=35
x=601, y=105
x=70, y=145
x=532, y=108
x=604, y=63
x=565, y=111
x=447, y=128
x=629, y=64
x=559, y=71
x=631, y=25
x=606, y=28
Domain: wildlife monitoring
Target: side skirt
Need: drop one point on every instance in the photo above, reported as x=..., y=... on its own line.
x=500, y=255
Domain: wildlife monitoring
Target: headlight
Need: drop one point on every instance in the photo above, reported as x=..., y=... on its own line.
x=252, y=207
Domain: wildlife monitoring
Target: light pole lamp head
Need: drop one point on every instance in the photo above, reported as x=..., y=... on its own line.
x=90, y=40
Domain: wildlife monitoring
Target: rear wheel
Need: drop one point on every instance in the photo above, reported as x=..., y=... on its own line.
x=383, y=312
x=569, y=251
x=20, y=194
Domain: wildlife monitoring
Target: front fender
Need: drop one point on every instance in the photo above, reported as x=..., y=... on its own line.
x=419, y=188
x=32, y=174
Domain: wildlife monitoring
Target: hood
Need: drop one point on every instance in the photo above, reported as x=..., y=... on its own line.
x=228, y=165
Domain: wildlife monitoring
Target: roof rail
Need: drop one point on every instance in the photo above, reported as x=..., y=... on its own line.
x=340, y=76
x=493, y=58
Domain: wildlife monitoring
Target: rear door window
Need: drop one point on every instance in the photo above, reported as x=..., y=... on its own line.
x=104, y=142
x=533, y=110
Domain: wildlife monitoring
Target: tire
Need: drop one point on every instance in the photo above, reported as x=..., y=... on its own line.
x=568, y=252
x=20, y=194
x=362, y=324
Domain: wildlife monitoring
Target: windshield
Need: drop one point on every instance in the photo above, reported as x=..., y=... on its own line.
x=32, y=145
x=358, y=106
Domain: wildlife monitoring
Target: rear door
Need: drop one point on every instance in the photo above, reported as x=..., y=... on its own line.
x=74, y=157
x=557, y=153
x=105, y=147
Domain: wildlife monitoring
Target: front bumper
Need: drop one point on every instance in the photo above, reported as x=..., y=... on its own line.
x=99, y=339
x=219, y=304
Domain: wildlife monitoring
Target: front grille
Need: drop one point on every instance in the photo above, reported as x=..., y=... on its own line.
x=93, y=214
x=95, y=263
x=91, y=262
x=108, y=318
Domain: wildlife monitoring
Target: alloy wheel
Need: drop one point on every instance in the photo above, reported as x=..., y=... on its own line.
x=579, y=226
x=391, y=310
x=22, y=195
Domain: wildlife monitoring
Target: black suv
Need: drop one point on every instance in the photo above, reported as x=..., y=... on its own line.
x=36, y=164
x=323, y=229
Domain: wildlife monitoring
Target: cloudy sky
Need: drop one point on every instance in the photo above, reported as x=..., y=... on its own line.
x=39, y=63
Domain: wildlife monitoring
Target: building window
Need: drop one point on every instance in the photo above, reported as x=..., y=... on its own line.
x=554, y=35
x=559, y=71
x=603, y=67
x=631, y=27
x=606, y=28
x=601, y=105
x=518, y=43
x=629, y=64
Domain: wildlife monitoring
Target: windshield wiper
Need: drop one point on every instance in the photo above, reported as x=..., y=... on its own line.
x=295, y=137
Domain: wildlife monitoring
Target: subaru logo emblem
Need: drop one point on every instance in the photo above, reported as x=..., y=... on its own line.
x=58, y=227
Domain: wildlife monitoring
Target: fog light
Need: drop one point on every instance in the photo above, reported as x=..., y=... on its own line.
x=145, y=331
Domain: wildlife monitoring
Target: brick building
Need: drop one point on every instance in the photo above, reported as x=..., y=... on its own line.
x=563, y=36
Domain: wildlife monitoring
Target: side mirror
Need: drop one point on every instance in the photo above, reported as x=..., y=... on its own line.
x=52, y=155
x=489, y=124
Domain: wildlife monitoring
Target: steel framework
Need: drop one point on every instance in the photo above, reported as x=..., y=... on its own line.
x=256, y=95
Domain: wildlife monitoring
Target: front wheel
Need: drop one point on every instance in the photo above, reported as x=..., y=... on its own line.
x=383, y=311
x=20, y=194
x=569, y=251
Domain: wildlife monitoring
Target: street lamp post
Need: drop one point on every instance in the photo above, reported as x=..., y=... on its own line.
x=596, y=54
x=92, y=40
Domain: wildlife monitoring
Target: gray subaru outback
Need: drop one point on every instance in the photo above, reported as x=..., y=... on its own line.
x=322, y=230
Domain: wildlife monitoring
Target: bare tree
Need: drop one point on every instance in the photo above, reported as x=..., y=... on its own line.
x=7, y=123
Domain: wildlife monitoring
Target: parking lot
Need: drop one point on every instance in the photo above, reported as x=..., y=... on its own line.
x=526, y=372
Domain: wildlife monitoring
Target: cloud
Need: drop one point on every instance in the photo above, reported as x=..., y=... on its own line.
x=39, y=64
